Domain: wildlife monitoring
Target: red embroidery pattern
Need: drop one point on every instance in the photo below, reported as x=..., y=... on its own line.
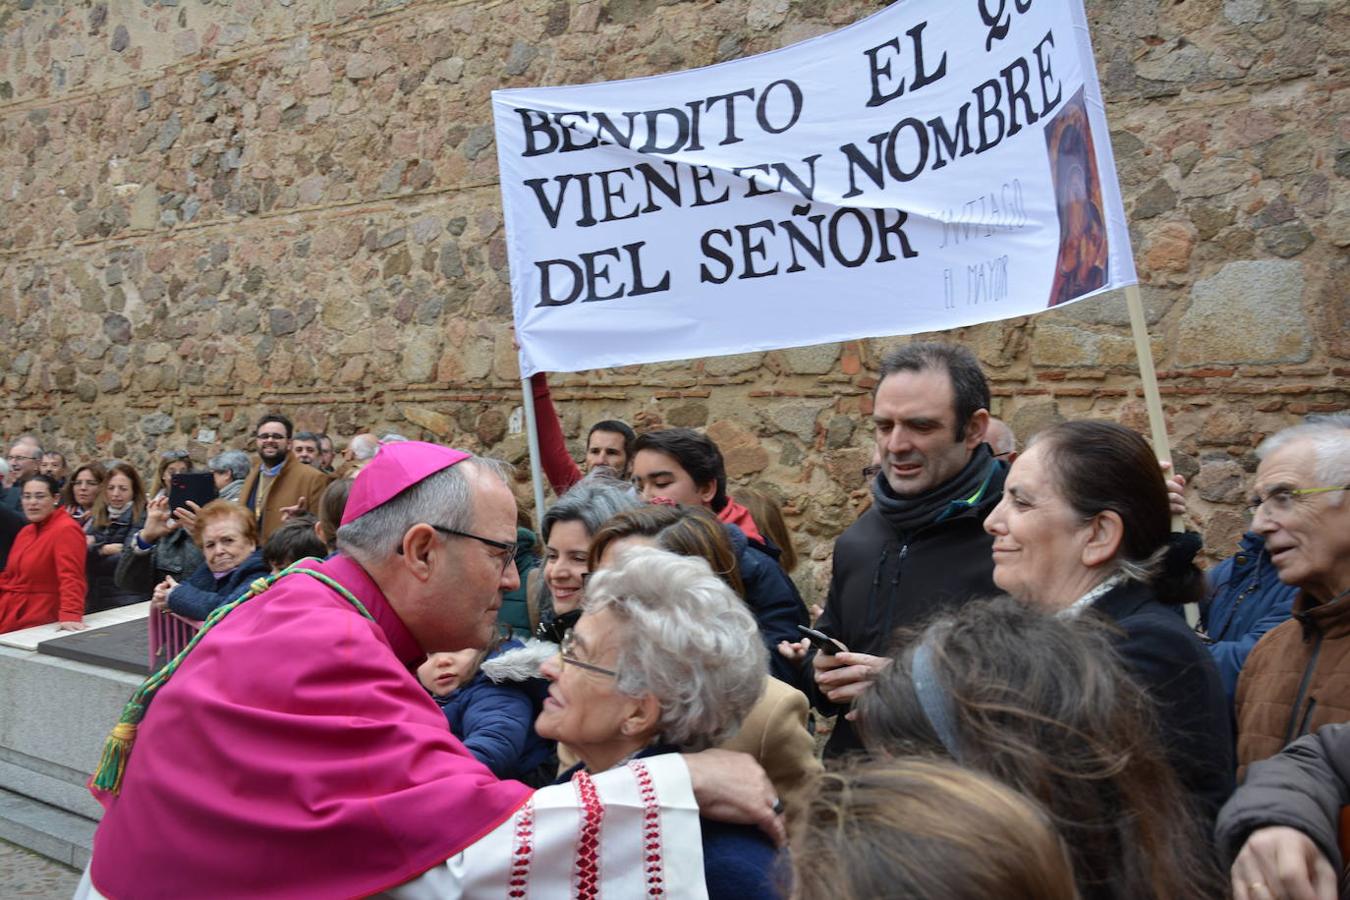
x=587, y=870
x=521, y=853
x=653, y=865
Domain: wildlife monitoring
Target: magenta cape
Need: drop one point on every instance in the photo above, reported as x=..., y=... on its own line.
x=294, y=755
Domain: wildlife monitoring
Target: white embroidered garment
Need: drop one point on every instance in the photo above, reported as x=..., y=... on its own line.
x=632, y=831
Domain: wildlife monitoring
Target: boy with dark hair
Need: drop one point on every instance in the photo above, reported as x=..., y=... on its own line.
x=297, y=539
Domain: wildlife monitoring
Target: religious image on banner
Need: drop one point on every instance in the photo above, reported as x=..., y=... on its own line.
x=1082, y=263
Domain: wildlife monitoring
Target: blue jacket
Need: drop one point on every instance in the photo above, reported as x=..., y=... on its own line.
x=1246, y=599
x=774, y=600
x=201, y=593
x=496, y=723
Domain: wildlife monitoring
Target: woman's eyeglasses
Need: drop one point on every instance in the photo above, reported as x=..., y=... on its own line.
x=569, y=657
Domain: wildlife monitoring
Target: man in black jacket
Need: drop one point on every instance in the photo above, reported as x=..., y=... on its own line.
x=921, y=548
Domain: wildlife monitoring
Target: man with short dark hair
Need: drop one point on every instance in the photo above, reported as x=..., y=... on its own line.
x=921, y=548
x=305, y=447
x=278, y=482
x=54, y=464
x=608, y=443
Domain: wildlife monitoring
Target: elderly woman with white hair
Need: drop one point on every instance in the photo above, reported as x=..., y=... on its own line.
x=665, y=657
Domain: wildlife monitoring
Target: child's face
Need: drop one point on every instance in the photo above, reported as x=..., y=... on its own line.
x=443, y=672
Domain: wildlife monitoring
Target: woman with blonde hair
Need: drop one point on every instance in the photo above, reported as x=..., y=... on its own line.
x=925, y=830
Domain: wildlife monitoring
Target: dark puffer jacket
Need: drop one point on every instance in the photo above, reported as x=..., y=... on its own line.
x=1246, y=599
x=884, y=580
x=1304, y=787
x=101, y=571
x=172, y=555
x=1168, y=661
x=774, y=601
x=496, y=723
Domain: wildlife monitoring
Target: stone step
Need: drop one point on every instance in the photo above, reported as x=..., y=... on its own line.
x=53, y=832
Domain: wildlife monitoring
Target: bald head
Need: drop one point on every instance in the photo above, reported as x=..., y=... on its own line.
x=1001, y=439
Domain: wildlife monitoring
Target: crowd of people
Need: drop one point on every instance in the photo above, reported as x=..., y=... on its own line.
x=445, y=700
x=104, y=536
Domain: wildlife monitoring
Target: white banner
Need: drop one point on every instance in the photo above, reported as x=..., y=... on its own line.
x=941, y=163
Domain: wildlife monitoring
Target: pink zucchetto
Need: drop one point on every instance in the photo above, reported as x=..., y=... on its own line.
x=394, y=469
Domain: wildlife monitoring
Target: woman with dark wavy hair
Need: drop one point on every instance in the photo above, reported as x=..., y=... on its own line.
x=1043, y=705
x=118, y=511
x=1084, y=529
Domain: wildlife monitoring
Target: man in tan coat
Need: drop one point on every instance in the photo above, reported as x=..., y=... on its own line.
x=279, y=480
x=1297, y=678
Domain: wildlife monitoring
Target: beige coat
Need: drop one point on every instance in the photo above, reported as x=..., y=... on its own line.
x=295, y=480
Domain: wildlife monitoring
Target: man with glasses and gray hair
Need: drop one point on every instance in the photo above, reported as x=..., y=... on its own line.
x=303, y=700
x=1295, y=680
x=25, y=457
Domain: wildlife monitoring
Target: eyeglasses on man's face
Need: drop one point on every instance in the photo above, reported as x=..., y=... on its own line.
x=19, y=457
x=507, y=551
x=1281, y=499
x=271, y=436
x=567, y=651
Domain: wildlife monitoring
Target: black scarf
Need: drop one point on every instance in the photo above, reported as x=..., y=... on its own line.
x=966, y=490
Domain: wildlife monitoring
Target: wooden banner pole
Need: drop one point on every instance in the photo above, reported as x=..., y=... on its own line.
x=532, y=439
x=1153, y=401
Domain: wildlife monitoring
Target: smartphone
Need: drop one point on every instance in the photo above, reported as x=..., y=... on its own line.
x=821, y=641
x=199, y=487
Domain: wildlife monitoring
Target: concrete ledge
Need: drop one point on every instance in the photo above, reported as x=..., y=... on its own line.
x=54, y=716
x=29, y=638
x=55, y=833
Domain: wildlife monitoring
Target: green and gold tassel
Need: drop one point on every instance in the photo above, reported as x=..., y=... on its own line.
x=112, y=764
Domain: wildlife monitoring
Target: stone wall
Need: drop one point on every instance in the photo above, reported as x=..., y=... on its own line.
x=211, y=209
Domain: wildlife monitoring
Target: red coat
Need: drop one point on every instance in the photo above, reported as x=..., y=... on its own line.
x=44, y=579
